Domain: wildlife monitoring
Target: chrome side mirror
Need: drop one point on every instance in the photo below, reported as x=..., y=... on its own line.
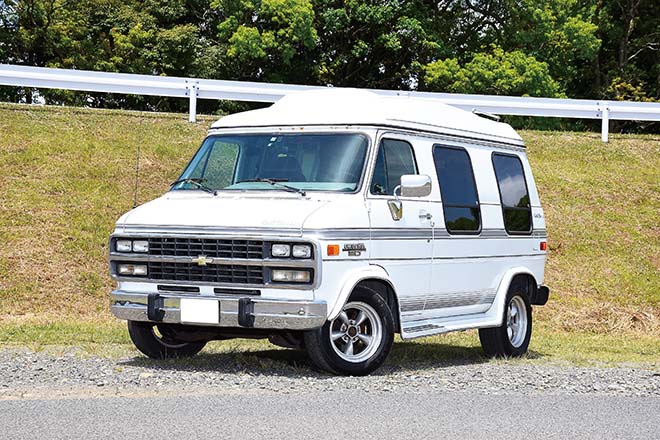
x=412, y=185
x=415, y=185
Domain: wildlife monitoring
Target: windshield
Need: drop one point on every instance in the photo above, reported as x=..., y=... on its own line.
x=308, y=162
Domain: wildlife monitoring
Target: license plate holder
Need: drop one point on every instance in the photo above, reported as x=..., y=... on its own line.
x=199, y=311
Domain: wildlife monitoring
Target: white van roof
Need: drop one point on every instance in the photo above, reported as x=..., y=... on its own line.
x=360, y=107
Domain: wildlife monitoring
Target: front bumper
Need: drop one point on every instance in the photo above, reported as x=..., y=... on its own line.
x=234, y=312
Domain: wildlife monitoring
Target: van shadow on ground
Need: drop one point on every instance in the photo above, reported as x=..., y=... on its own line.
x=405, y=356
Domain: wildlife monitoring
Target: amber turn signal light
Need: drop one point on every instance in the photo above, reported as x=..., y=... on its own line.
x=333, y=250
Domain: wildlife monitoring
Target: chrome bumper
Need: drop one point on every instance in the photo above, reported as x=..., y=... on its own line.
x=261, y=313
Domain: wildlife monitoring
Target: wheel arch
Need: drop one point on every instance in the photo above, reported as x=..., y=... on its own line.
x=522, y=275
x=374, y=279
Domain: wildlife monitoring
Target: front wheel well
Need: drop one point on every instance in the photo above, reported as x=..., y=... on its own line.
x=385, y=290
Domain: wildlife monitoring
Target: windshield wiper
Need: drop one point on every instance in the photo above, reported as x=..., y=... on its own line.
x=278, y=183
x=198, y=182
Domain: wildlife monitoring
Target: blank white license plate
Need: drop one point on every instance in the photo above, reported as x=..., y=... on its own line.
x=200, y=311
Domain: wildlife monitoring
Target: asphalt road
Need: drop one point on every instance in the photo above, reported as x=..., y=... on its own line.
x=349, y=414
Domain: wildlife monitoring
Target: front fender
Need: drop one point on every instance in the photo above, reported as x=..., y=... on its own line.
x=496, y=312
x=350, y=280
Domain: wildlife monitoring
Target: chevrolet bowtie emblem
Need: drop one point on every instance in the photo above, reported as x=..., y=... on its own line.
x=202, y=260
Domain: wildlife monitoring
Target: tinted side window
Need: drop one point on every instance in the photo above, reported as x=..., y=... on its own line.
x=460, y=201
x=513, y=193
x=395, y=158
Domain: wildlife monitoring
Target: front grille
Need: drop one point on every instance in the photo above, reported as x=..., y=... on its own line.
x=211, y=247
x=214, y=273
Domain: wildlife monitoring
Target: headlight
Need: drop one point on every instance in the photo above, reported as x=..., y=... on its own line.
x=141, y=246
x=132, y=269
x=124, y=245
x=280, y=250
x=291, y=276
x=302, y=251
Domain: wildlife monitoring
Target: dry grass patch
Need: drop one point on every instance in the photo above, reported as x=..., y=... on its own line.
x=68, y=174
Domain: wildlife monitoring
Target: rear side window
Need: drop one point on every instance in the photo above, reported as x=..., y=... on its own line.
x=395, y=158
x=460, y=201
x=516, y=208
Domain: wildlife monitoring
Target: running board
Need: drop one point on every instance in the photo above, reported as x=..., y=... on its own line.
x=428, y=327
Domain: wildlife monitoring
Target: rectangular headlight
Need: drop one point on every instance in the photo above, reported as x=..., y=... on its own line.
x=291, y=276
x=124, y=245
x=132, y=269
x=302, y=251
x=140, y=246
x=280, y=250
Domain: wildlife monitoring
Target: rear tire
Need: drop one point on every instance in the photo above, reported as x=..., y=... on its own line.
x=357, y=341
x=163, y=345
x=512, y=338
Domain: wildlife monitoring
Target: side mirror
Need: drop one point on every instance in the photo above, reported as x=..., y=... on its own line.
x=412, y=185
x=415, y=185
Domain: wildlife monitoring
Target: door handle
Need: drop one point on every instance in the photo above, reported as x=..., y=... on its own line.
x=425, y=215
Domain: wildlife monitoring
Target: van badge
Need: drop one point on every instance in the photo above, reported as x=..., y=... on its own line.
x=354, y=249
x=202, y=260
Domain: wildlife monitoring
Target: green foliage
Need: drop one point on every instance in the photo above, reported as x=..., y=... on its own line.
x=266, y=38
x=374, y=44
x=577, y=48
x=496, y=73
x=559, y=32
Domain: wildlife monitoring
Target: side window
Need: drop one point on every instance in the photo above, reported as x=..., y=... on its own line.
x=513, y=193
x=460, y=201
x=395, y=158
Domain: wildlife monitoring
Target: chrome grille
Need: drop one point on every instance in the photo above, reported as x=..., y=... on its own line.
x=211, y=247
x=214, y=273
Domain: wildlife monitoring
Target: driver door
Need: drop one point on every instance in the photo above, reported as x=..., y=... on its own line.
x=403, y=247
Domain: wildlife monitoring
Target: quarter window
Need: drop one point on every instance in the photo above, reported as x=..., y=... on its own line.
x=395, y=158
x=513, y=193
x=460, y=201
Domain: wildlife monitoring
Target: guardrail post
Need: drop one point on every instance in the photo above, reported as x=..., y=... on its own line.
x=605, y=122
x=192, y=88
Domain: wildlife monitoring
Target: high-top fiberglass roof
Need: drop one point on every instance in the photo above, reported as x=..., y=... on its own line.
x=360, y=107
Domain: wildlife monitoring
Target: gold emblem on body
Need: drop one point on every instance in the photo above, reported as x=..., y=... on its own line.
x=202, y=260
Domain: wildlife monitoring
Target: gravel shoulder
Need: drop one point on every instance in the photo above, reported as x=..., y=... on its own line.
x=70, y=373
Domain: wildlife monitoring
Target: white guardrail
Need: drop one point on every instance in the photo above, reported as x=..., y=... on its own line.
x=193, y=89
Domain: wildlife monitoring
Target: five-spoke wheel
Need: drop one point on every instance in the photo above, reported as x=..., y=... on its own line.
x=358, y=340
x=356, y=333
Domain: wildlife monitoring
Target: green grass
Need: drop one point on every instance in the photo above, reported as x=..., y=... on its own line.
x=68, y=174
x=548, y=346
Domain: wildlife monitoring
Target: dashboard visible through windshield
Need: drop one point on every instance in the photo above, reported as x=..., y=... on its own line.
x=263, y=161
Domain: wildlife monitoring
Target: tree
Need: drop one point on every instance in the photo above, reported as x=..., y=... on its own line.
x=496, y=73
x=376, y=44
x=266, y=39
x=629, y=59
x=561, y=33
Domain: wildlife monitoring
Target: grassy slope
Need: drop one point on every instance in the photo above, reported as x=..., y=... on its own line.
x=68, y=174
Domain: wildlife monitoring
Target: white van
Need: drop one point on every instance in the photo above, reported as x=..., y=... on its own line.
x=331, y=221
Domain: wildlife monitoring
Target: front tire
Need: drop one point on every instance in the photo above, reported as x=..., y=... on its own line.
x=357, y=341
x=512, y=338
x=158, y=341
